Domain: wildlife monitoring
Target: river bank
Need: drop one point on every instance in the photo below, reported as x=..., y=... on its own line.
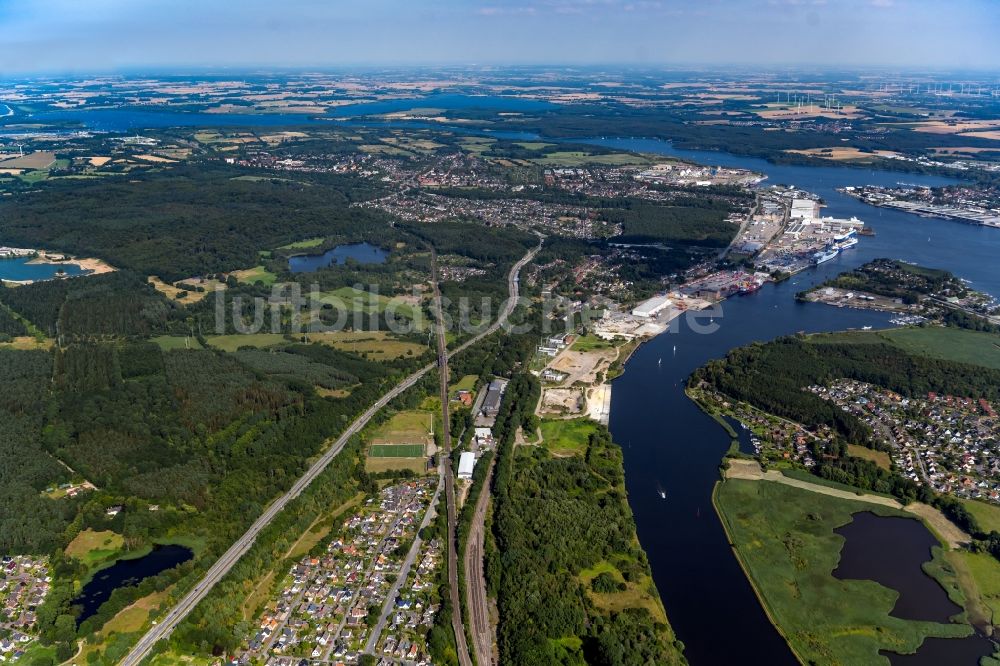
x=824, y=531
x=685, y=457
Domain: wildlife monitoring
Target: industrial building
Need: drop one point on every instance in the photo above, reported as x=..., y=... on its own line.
x=652, y=307
x=804, y=209
x=466, y=463
x=494, y=394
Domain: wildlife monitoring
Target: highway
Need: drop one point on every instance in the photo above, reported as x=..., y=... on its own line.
x=475, y=579
x=217, y=571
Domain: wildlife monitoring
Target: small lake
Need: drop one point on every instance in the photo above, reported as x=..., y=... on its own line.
x=22, y=269
x=891, y=551
x=363, y=253
x=125, y=573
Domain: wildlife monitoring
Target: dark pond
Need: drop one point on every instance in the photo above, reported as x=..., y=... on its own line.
x=124, y=573
x=363, y=253
x=891, y=551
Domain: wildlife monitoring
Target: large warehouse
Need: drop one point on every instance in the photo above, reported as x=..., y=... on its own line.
x=466, y=464
x=652, y=307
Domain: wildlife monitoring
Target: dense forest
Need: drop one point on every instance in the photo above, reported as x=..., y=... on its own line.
x=554, y=518
x=110, y=305
x=190, y=220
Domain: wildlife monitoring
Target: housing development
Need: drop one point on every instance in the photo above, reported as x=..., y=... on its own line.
x=947, y=442
x=373, y=586
x=356, y=334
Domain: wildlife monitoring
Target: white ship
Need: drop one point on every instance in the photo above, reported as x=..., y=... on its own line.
x=825, y=256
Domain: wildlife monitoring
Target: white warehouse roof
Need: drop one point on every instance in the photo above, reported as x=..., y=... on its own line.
x=466, y=464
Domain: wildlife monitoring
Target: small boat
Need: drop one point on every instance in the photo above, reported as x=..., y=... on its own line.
x=866, y=328
x=660, y=362
x=663, y=494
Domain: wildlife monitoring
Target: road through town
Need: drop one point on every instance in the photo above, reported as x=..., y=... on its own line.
x=215, y=573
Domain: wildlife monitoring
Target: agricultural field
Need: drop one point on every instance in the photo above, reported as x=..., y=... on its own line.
x=41, y=159
x=352, y=299
x=567, y=435
x=255, y=274
x=949, y=343
x=378, y=345
x=574, y=158
x=476, y=144
x=844, y=154
x=785, y=540
x=231, y=343
x=182, y=296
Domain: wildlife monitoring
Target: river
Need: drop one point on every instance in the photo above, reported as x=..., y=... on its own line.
x=669, y=442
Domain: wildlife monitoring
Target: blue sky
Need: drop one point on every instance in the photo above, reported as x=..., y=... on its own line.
x=100, y=35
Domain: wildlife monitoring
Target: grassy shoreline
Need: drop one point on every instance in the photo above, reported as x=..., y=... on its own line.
x=824, y=618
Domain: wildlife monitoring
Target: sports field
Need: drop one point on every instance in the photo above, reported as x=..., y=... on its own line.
x=396, y=451
x=412, y=427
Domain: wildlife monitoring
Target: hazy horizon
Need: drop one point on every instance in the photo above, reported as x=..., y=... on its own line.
x=66, y=36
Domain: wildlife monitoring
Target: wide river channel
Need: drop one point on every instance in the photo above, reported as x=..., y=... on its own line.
x=669, y=443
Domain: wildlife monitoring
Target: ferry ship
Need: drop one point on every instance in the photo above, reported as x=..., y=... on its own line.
x=847, y=244
x=825, y=256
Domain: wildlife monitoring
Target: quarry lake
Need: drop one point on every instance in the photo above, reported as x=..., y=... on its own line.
x=21, y=269
x=669, y=442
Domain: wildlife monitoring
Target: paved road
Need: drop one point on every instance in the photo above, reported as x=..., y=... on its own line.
x=175, y=615
x=475, y=579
